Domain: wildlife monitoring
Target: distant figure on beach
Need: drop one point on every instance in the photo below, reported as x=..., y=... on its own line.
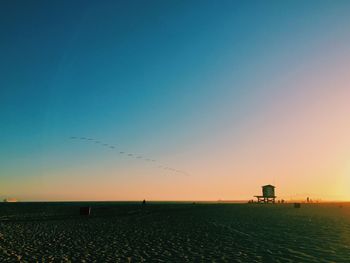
x=85, y=211
x=144, y=202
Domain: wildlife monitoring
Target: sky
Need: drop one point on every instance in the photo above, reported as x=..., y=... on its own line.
x=232, y=95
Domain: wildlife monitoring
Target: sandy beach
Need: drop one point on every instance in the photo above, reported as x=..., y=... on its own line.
x=174, y=232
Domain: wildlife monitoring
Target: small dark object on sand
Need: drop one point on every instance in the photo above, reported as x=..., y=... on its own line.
x=85, y=211
x=144, y=202
x=296, y=205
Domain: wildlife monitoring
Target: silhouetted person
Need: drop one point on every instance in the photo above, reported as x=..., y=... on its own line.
x=143, y=202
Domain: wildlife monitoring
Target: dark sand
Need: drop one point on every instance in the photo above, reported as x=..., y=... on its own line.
x=174, y=232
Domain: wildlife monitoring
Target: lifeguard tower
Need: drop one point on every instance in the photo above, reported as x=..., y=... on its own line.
x=268, y=194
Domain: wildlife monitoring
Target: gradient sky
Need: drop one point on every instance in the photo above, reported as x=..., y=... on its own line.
x=236, y=93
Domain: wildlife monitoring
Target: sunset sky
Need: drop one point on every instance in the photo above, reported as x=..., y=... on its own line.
x=236, y=94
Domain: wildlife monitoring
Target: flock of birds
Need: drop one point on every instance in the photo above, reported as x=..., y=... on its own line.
x=131, y=155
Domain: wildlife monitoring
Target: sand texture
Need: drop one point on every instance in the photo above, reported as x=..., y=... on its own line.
x=174, y=232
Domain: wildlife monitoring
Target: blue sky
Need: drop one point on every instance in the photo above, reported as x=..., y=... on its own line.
x=162, y=78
